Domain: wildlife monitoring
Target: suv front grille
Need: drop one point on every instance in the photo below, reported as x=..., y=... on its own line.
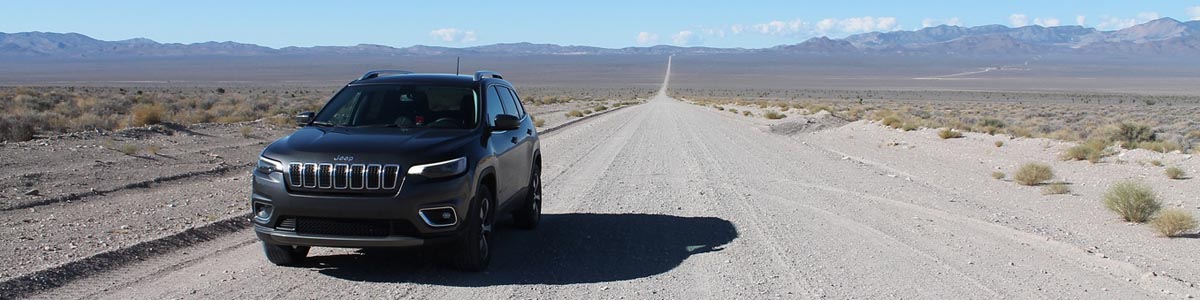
x=333, y=177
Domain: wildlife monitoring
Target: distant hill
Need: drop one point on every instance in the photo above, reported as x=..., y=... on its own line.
x=1161, y=36
x=1164, y=36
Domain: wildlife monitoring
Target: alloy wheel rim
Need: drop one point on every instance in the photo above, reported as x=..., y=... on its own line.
x=537, y=194
x=485, y=228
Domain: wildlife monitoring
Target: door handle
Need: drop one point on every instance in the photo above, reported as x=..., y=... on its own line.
x=514, y=140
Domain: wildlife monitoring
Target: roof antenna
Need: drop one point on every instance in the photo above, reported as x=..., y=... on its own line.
x=457, y=63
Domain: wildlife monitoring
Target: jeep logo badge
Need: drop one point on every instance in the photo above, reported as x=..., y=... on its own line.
x=343, y=158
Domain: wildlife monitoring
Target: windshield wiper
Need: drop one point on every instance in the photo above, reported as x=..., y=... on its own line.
x=322, y=123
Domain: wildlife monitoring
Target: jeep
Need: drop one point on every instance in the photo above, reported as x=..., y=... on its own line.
x=400, y=159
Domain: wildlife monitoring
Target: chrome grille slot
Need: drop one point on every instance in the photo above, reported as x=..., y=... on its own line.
x=294, y=172
x=340, y=176
x=325, y=176
x=390, y=176
x=318, y=177
x=374, y=177
x=310, y=175
x=356, y=176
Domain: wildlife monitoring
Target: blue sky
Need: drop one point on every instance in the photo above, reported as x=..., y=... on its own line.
x=611, y=23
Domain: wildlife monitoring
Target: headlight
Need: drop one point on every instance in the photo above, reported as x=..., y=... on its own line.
x=267, y=165
x=440, y=169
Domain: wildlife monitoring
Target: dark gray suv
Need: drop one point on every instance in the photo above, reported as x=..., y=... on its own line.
x=397, y=159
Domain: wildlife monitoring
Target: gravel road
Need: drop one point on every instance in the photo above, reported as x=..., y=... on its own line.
x=668, y=200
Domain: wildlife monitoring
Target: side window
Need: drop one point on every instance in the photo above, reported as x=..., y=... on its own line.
x=520, y=106
x=510, y=105
x=494, y=108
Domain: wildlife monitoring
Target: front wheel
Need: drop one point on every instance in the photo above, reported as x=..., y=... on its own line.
x=530, y=213
x=283, y=255
x=474, y=246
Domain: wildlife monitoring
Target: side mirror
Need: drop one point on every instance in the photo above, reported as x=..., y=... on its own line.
x=506, y=122
x=304, y=118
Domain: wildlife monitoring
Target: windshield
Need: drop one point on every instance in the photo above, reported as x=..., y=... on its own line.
x=405, y=106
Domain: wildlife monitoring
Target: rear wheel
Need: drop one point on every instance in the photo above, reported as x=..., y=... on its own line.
x=283, y=255
x=474, y=246
x=530, y=214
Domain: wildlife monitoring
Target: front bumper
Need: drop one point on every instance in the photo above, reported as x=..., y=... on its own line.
x=405, y=206
x=281, y=237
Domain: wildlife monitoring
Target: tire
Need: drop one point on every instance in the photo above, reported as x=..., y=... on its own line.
x=474, y=247
x=283, y=255
x=530, y=214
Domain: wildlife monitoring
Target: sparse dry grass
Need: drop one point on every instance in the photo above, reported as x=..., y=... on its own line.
x=947, y=133
x=27, y=111
x=1032, y=174
x=998, y=175
x=147, y=114
x=1174, y=222
x=246, y=132
x=774, y=115
x=1115, y=119
x=129, y=149
x=999, y=144
x=1134, y=201
x=538, y=122
x=1057, y=188
x=574, y=114
x=1175, y=173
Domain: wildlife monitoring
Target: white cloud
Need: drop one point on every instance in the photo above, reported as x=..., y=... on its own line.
x=1047, y=22
x=867, y=24
x=737, y=29
x=454, y=35
x=1117, y=23
x=714, y=32
x=685, y=38
x=1080, y=20
x=1018, y=20
x=826, y=25
x=928, y=22
x=781, y=27
x=1194, y=13
x=856, y=25
x=646, y=38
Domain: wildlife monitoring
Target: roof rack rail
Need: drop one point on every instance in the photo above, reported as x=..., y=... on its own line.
x=376, y=73
x=481, y=74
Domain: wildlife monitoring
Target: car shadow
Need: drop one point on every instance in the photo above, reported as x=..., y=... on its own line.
x=565, y=249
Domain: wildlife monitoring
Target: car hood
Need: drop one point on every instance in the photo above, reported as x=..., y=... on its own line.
x=368, y=145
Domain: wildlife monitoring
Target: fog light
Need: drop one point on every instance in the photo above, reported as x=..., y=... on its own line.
x=262, y=212
x=439, y=216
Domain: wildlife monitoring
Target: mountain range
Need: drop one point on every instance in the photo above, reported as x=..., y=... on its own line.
x=1161, y=37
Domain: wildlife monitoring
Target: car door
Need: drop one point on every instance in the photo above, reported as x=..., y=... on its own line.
x=522, y=152
x=502, y=143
